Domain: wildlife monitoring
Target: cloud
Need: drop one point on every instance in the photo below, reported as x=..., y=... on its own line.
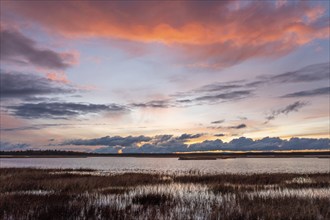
x=61, y=110
x=307, y=93
x=200, y=95
x=215, y=87
x=286, y=110
x=240, y=126
x=195, y=98
x=218, y=122
x=219, y=135
x=7, y=146
x=242, y=89
x=185, y=137
x=171, y=144
x=315, y=72
x=234, y=95
x=109, y=141
x=134, y=144
x=15, y=47
x=199, y=31
x=153, y=104
x=33, y=127
x=27, y=86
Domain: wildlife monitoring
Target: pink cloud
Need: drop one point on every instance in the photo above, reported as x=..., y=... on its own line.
x=58, y=77
x=216, y=34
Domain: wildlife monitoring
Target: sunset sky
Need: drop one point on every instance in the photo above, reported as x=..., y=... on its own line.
x=164, y=76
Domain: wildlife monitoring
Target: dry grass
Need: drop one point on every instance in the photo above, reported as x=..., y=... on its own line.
x=87, y=194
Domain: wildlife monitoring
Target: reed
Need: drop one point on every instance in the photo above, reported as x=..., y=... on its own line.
x=27, y=193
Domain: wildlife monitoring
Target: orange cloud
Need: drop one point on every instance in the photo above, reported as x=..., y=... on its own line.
x=59, y=77
x=215, y=34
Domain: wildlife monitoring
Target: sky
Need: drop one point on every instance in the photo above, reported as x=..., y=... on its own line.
x=164, y=76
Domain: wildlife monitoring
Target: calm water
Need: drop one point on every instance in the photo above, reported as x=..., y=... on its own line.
x=124, y=164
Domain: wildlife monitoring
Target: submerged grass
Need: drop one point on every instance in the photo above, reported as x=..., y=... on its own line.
x=27, y=193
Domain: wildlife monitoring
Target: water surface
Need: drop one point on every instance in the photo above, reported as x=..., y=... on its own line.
x=127, y=164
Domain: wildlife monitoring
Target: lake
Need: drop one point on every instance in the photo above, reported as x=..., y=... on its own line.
x=131, y=164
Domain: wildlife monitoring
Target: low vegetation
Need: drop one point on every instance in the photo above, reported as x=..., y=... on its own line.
x=27, y=193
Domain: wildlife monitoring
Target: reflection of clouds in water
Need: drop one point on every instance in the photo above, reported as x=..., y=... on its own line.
x=173, y=165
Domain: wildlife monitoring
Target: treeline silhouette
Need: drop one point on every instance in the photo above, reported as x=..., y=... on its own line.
x=325, y=153
x=47, y=152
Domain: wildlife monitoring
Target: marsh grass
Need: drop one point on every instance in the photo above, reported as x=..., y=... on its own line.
x=27, y=193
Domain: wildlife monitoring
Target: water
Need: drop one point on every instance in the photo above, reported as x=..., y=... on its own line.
x=131, y=164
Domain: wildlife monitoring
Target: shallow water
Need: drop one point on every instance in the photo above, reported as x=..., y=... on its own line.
x=131, y=164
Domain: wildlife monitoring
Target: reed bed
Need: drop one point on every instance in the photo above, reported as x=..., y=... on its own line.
x=27, y=193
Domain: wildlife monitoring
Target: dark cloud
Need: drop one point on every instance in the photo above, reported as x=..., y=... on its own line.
x=315, y=72
x=171, y=144
x=306, y=93
x=28, y=86
x=219, y=135
x=240, y=126
x=275, y=143
x=159, y=143
x=293, y=107
x=241, y=89
x=218, y=122
x=234, y=95
x=216, y=92
x=188, y=136
x=33, y=127
x=109, y=141
x=7, y=146
x=19, y=48
x=188, y=101
x=162, y=138
x=206, y=146
x=286, y=110
x=215, y=87
x=153, y=104
x=61, y=110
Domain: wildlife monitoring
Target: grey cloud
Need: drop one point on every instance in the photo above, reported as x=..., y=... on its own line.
x=215, y=92
x=242, y=89
x=207, y=146
x=21, y=49
x=153, y=104
x=159, y=143
x=265, y=144
x=240, y=126
x=62, y=110
x=293, y=107
x=7, y=146
x=239, y=144
x=33, y=127
x=276, y=143
x=218, y=122
x=315, y=72
x=28, y=86
x=307, y=93
x=162, y=138
x=109, y=141
x=242, y=117
x=215, y=87
x=234, y=90
x=219, y=135
x=286, y=110
x=189, y=136
x=234, y=95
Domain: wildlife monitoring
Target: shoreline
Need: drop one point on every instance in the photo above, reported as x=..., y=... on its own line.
x=185, y=156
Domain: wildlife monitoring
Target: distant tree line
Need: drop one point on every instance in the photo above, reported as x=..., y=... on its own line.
x=47, y=152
